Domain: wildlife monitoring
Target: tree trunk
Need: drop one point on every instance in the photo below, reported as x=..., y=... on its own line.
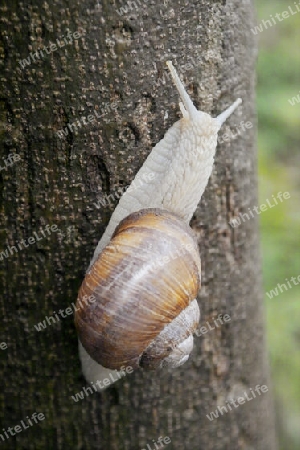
x=115, y=69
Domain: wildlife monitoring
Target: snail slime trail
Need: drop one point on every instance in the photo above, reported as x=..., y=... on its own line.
x=149, y=225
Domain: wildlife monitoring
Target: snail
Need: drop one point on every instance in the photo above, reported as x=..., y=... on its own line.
x=137, y=304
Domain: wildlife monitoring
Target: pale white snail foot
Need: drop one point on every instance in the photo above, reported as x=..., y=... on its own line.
x=95, y=373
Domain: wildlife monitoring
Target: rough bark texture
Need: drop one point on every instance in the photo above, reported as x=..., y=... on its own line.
x=58, y=181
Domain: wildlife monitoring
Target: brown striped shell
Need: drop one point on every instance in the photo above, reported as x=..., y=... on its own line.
x=136, y=305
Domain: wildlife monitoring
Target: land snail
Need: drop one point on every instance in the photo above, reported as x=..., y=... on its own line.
x=137, y=305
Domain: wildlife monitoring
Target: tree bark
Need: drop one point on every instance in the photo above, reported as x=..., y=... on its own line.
x=115, y=69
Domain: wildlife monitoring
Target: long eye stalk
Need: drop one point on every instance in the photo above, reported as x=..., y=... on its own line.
x=188, y=104
x=225, y=114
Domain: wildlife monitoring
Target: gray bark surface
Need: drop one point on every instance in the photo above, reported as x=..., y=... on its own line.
x=58, y=181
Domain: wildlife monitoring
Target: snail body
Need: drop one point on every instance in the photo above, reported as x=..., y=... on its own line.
x=145, y=313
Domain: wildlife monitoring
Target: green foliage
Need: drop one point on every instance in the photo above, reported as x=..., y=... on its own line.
x=278, y=144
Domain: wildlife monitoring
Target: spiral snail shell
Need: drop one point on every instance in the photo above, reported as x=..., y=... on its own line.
x=145, y=272
x=138, y=294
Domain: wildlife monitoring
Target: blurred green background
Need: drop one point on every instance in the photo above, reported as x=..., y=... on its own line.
x=278, y=73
